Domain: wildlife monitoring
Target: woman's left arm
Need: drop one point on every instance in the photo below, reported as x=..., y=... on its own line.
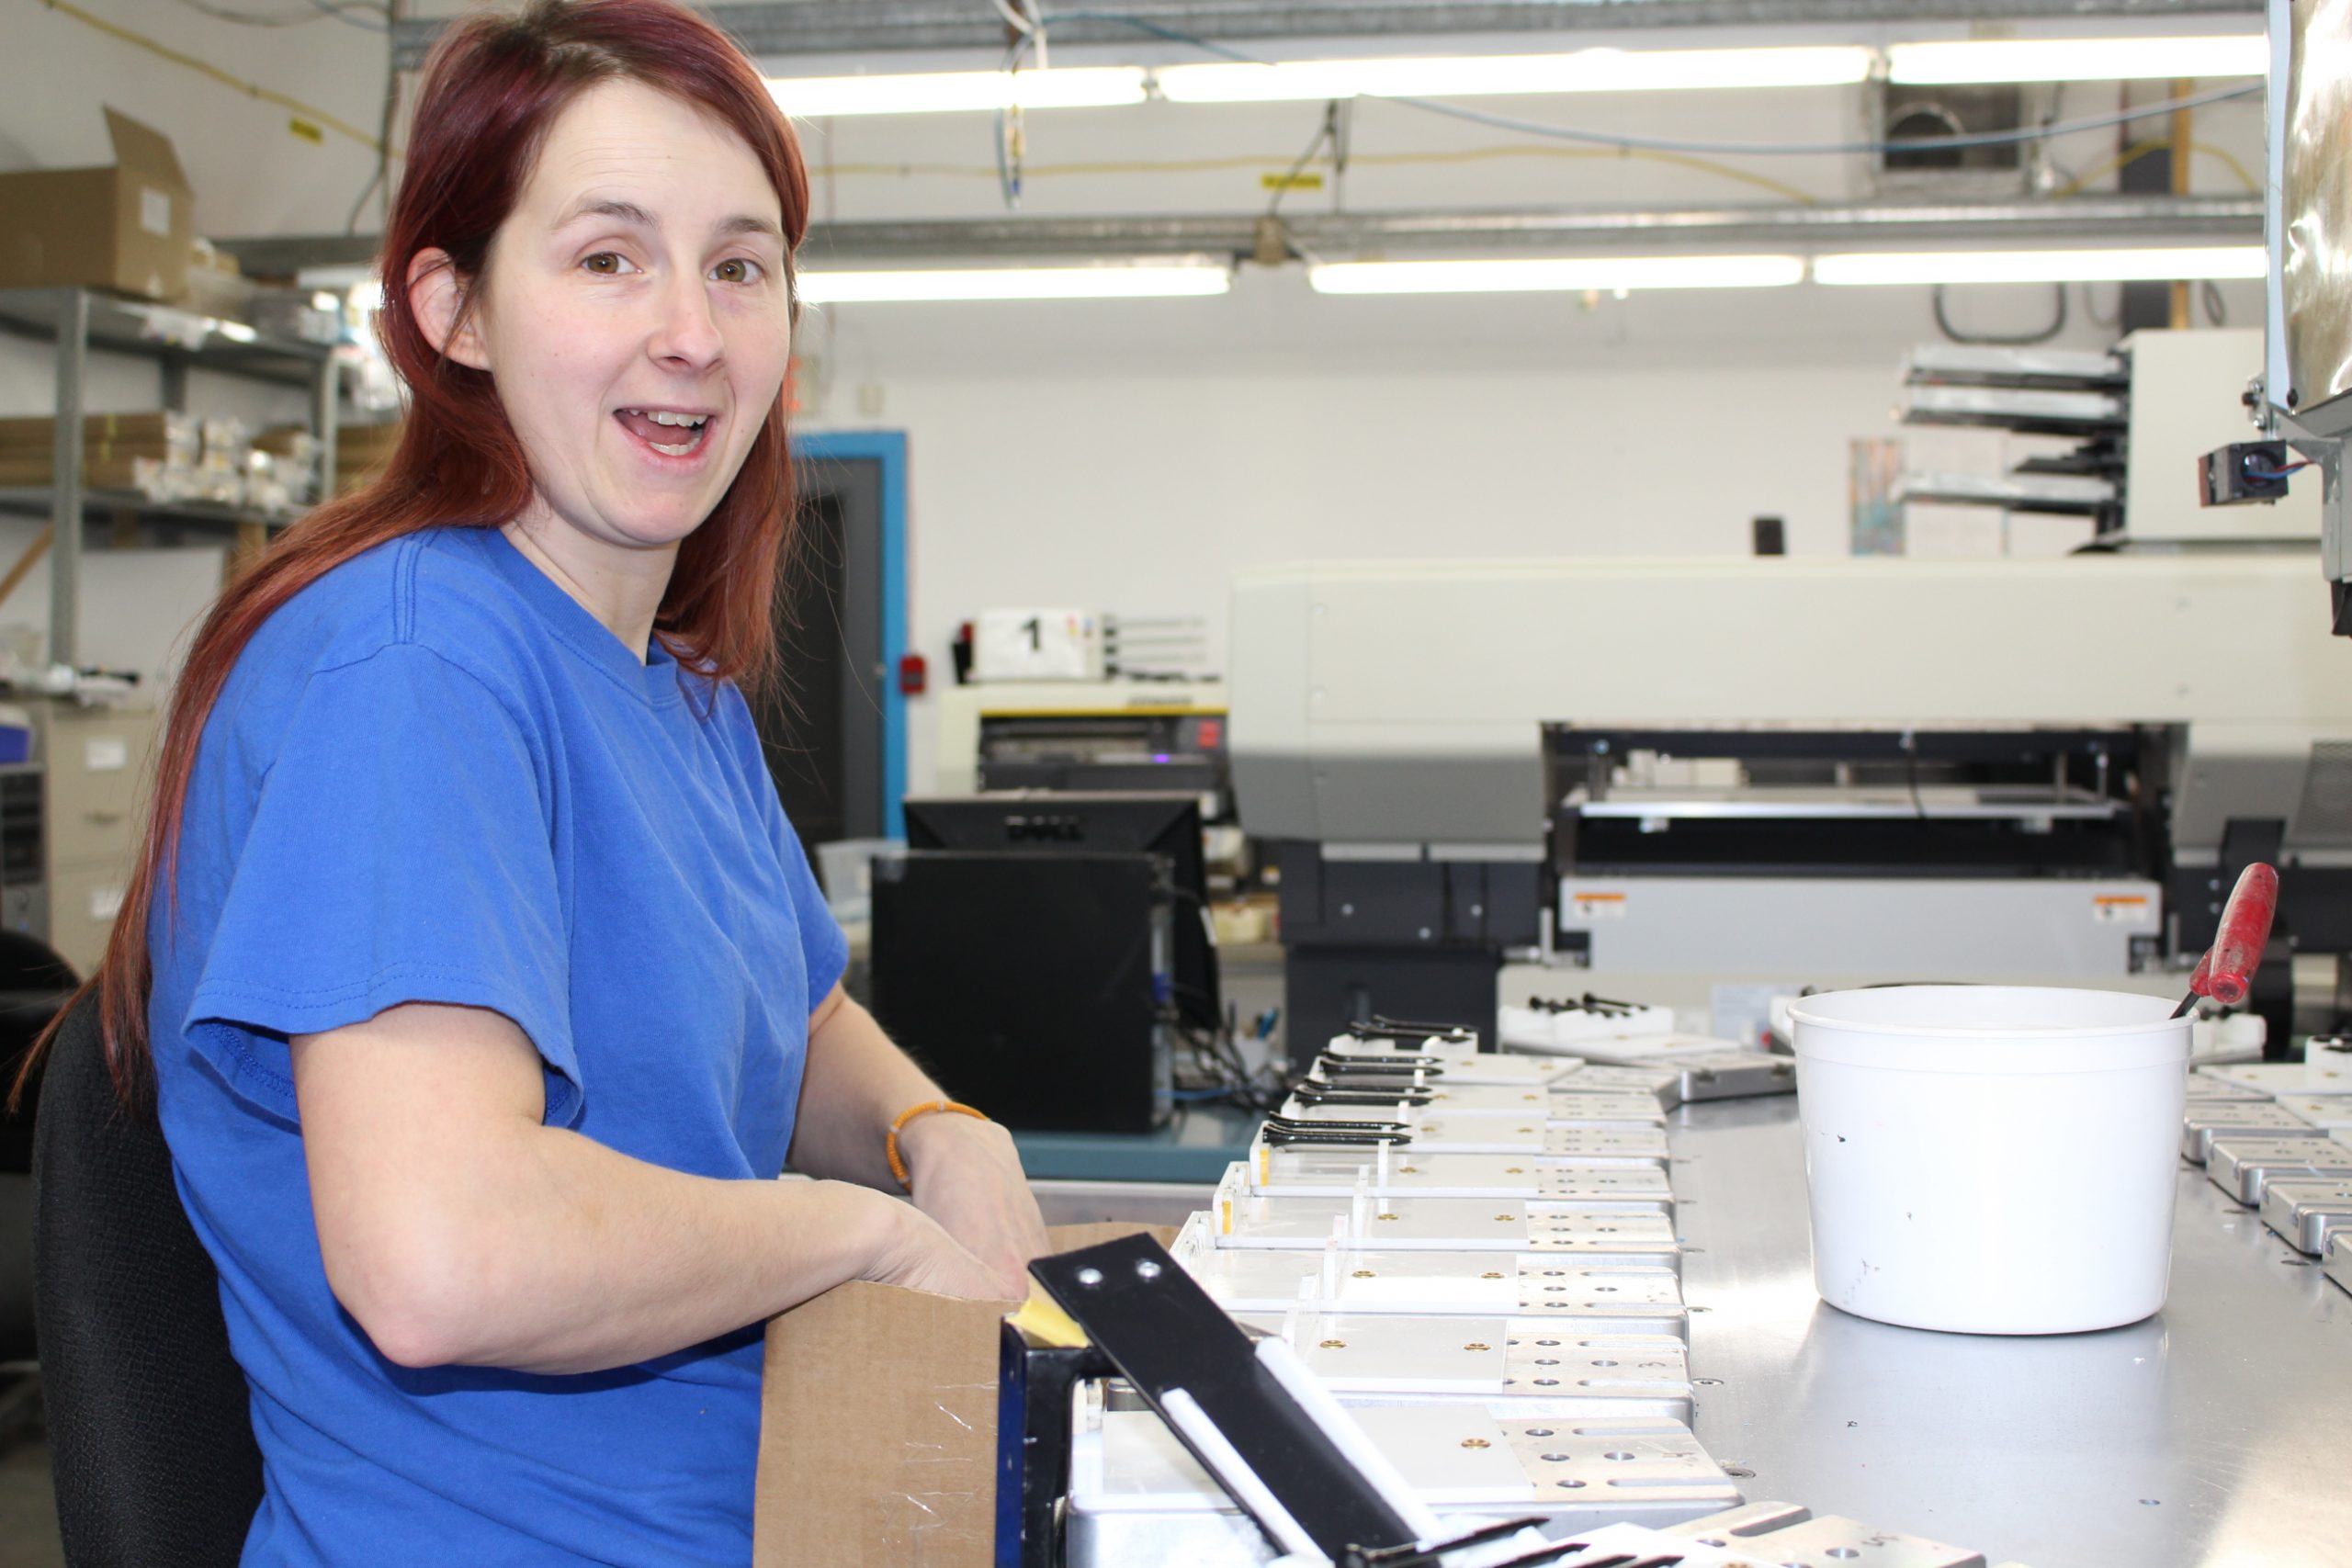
x=966, y=1173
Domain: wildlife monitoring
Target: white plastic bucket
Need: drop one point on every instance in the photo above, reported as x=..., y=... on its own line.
x=1991, y=1159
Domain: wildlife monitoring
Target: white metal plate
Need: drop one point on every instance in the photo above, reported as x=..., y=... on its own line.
x=1305, y=1171
x=2326, y=1077
x=2333, y=1112
x=1397, y=1223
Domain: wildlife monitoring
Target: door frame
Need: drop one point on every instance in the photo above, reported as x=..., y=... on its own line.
x=887, y=449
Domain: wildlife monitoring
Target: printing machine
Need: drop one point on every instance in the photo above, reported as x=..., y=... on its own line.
x=1112, y=734
x=1923, y=769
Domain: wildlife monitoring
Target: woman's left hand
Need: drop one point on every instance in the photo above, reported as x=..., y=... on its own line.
x=967, y=1177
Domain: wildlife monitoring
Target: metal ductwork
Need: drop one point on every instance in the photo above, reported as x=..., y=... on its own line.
x=785, y=29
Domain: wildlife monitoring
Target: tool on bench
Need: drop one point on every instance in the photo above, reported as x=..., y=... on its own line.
x=2226, y=972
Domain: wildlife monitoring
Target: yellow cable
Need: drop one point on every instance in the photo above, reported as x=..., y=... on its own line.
x=1252, y=161
x=251, y=89
x=2100, y=171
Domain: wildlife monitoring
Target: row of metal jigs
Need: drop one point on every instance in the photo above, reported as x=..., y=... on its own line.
x=2278, y=1138
x=1476, y=1254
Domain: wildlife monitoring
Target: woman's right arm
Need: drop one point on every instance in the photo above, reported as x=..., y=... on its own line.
x=457, y=1228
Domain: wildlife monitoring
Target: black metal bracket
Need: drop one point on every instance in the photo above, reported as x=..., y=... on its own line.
x=1330, y=1066
x=1408, y=1036
x=1284, y=1131
x=1314, y=1091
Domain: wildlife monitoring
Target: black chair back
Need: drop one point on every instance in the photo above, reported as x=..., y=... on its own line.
x=148, y=1425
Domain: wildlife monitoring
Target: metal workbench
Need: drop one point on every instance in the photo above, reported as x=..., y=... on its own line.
x=2217, y=1434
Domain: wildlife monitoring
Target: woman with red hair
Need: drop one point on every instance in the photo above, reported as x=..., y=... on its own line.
x=483, y=983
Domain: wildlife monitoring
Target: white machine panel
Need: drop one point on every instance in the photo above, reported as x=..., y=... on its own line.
x=1347, y=732
x=2049, y=926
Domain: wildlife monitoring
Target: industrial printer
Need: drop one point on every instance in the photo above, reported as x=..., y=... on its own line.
x=1918, y=770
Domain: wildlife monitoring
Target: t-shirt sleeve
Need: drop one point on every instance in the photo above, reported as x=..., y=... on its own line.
x=824, y=946
x=403, y=850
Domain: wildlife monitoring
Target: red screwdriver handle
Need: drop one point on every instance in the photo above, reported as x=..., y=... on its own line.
x=2226, y=971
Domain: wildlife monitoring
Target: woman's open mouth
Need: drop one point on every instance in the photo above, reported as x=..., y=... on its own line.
x=669, y=432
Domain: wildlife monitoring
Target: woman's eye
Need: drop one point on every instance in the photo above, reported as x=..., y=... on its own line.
x=609, y=263
x=737, y=271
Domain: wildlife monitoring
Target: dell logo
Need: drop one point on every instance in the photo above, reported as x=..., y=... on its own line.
x=1043, y=829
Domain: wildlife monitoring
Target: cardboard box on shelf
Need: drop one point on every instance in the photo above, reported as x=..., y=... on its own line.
x=128, y=227
x=162, y=429
x=151, y=476
x=878, y=1426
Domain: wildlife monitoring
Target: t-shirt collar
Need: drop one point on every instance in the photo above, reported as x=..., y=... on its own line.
x=656, y=679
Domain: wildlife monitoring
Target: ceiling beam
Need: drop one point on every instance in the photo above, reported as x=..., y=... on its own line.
x=786, y=29
x=2088, y=221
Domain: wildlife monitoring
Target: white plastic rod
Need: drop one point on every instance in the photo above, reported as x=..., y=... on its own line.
x=1327, y=1412
x=1233, y=1471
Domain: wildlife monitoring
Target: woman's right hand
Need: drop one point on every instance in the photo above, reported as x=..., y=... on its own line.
x=921, y=1255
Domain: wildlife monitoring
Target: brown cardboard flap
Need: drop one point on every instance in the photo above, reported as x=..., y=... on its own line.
x=878, y=1428
x=143, y=148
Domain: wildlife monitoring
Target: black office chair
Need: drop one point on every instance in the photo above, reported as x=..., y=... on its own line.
x=149, y=1428
x=34, y=983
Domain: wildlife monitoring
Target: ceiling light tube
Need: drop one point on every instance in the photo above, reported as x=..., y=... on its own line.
x=1585, y=71
x=1574, y=273
x=2078, y=59
x=2042, y=266
x=1113, y=280
x=935, y=92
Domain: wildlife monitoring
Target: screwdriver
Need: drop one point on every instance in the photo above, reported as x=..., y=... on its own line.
x=2226, y=972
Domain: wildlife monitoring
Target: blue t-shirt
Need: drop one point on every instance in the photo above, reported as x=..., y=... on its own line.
x=433, y=776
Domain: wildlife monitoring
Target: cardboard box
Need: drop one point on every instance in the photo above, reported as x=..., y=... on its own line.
x=161, y=428
x=128, y=227
x=147, y=474
x=878, y=1426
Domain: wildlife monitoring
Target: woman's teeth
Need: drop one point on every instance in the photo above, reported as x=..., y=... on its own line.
x=648, y=423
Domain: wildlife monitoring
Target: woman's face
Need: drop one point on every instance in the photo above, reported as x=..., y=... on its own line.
x=634, y=315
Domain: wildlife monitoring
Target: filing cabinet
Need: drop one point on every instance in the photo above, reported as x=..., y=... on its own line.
x=97, y=767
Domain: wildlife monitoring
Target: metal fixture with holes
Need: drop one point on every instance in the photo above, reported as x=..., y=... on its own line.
x=1519, y=1364
x=2202, y=1125
x=2305, y=1213
x=2243, y=1168
x=1572, y=1295
x=1334, y=1173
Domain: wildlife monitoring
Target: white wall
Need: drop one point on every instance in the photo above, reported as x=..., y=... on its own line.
x=1144, y=451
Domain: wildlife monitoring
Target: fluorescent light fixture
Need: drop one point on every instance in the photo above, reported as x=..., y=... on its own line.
x=1119, y=280
x=935, y=92
x=1586, y=70
x=2078, y=59
x=1593, y=273
x=2040, y=266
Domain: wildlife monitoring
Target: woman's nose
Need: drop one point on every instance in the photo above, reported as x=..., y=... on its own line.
x=684, y=332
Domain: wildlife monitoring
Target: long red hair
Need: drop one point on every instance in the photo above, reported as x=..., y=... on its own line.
x=493, y=87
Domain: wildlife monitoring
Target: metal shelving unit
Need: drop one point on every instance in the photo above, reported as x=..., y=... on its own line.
x=80, y=322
